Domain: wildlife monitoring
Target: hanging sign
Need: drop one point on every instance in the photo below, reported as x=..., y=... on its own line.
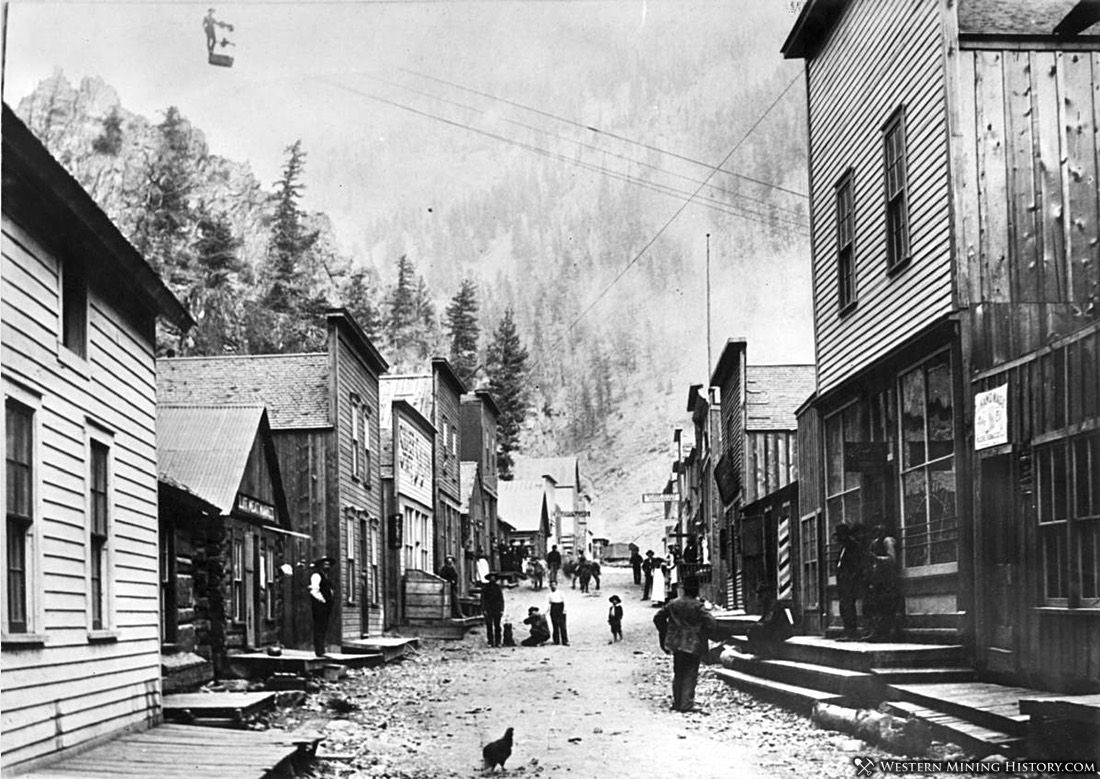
x=991, y=417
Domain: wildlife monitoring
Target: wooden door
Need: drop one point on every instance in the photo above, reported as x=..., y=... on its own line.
x=252, y=613
x=999, y=566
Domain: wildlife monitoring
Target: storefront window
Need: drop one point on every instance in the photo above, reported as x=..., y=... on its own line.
x=928, y=464
x=844, y=499
x=1069, y=520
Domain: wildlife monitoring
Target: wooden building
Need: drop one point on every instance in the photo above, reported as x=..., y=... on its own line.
x=80, y=651
x=407, y=481
x=759, y=459
x=479, y=443
x=569, y=526
x=956, y=268
x=225, y=536
x=525, y=506
x=701, y=505
x=447, y=392
x=474, y=531
x=324, y=414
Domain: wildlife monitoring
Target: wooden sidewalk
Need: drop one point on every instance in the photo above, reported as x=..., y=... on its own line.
x=171, y=751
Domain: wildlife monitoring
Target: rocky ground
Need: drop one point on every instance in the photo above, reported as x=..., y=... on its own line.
x=587, y=710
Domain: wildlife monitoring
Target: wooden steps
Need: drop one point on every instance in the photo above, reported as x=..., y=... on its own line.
x=801, y=699
x=173, y=751
x=260, y=665
x=390, y=647
x=863, y=655
x=991, y=706
x=925, y=674
x=975, y=739
x=235, y=709
x=855, y=685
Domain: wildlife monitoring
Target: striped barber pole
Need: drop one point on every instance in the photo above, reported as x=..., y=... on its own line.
x=784, y=553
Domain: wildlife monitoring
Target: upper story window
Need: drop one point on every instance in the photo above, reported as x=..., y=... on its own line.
x=19, y=467
x=360, y=440
x=897, y=205
x=99, y=505
x=845, y=242
x=74, y=308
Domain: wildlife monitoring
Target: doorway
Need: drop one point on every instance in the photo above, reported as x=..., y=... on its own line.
x=999, y=568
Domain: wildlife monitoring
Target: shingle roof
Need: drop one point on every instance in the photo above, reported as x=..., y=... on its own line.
x=563, y=470
x=293, y=387
x=468, y=481
x=774, y=393
x=521, y=503
x=204, y=448
x=1013, y=17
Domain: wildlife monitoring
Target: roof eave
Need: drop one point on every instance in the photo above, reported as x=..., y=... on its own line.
x=813, y=25
x=344, y=317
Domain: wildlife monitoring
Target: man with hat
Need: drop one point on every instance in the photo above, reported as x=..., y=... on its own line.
x=615, y=618
x=540, y=631
x=683, y=626
x=321, y=598
x=492, y=607
x=850, y=576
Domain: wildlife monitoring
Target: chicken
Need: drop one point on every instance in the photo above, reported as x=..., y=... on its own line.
x=496, y=752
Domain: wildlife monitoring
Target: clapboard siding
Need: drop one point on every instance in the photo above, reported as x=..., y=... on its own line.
x=882, y=55
x=68, y=690
x=1029, y=206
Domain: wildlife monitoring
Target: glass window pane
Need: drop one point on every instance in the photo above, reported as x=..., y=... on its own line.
x=1089, y=544
x=912, y=418
x=834, y=454
x=915, y=518
x=941, y=438
x=1060, y=481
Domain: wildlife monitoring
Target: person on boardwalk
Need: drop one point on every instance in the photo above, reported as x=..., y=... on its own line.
x=540, y=631
x=884, y=602
x=684, y=626
x=450, y=574
x=321, y=597
x=492, y=606
x=850, y=577
x=615, y=618
x=557, y=615
x=636, y=564
x=553, y=563
x=648, y=566
x=776, y=623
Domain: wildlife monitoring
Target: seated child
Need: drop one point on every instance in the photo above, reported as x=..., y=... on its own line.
x=540, y=628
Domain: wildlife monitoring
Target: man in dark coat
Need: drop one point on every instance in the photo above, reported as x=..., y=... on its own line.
x=636, y=564
x=492, y=606
x=649, y=565
x=540, y=631
x=850, y=577
x=684, y=626
x=449, y=573
x=321, y=598
x=553, y=563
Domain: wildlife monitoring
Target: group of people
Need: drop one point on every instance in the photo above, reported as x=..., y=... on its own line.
x=868, y=572
x=577, y=570
x=541, y=631
x=651, y=569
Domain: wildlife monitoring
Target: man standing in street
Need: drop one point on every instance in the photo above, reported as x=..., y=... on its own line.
x=321, y=598
x=492, y=606
x=553, y=563
x=683, y=626
x=636, y=564
x=557, y=615
x=647, y=568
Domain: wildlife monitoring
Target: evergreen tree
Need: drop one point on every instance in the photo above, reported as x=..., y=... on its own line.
x=463, y=331
x=425, y=324
x=287, y=289
x=358, y=299
x=109, y=141
x=401, y=315
x=214, y=300
x=506, y=364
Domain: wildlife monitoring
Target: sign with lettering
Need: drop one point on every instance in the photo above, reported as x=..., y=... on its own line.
x=660, y=497
x=576, y=513
x=397, y=525
x=991, y=417
x=256, y=508
x=413, y=457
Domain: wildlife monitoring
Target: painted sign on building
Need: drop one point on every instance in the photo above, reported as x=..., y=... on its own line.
x=414, y=463
x=991, y=417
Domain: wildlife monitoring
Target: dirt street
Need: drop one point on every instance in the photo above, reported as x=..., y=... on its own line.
x=591, y=709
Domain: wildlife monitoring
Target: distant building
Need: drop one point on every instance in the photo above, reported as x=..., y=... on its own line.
x=568, y=526
x=81, y=651
x=479, y=443
x=524, y=505
x=324, y=414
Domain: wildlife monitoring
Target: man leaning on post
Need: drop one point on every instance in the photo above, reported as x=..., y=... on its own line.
x=684, y=625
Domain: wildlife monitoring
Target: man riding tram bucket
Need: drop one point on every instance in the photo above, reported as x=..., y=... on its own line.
x=209, y=25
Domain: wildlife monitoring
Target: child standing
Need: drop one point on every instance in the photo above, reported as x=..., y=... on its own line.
x=615, y=618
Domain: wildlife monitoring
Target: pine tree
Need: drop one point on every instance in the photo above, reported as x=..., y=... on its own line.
x=214, y=300
x=401, y=304
x=287, y=289
x=463, y=331
x=426, y=326
x=506, y=364
x=358, y=298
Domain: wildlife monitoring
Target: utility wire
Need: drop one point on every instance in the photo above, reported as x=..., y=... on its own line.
x=610, y=134
x=632, y=160
x=667, y=224
x=704, y=201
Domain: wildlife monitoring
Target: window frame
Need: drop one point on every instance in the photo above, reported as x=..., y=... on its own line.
x=845, y=203
x=356, y=460
x=32, y=634
x=350, y=556
x=1072, y=526
x=896, y=191
x=73, y=303
x=100, y=553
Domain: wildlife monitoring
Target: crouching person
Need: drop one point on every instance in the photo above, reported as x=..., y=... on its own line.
x=540, y=629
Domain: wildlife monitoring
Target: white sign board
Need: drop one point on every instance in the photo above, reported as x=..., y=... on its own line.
x=414, y=462
x=660, y=497
x=991, y=417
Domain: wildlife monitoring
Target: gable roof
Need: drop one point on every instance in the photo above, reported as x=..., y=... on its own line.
x=204, y=449
x=774, y=392
x=468, y=473
x=521, y=503
x=38, y=187
x=565, y=471
x=1015, y=17
x=293, y=387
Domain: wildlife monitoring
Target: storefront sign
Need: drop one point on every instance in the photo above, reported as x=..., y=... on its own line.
x=991, y=417
x=660, y=497
x=414, y=463
x=395, y=529
x=256, y=508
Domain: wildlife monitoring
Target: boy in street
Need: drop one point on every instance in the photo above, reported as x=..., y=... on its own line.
x=615, y=618
x=557, y=615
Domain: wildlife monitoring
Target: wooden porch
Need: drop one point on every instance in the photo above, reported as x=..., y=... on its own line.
x=187, y=751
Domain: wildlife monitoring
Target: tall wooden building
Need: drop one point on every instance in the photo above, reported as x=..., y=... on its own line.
x=479, y=443
x=324, y=414
x=953, y=174
x=81, y=646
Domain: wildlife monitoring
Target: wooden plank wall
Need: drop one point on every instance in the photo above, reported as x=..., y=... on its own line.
x=1029, y=232
x=772, y=462
x=75, y=688
x=882, y=54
